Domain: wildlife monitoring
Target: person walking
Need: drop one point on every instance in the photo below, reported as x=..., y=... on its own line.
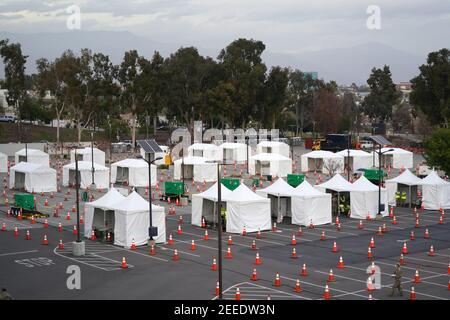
x=397, y=280
x=4, y=295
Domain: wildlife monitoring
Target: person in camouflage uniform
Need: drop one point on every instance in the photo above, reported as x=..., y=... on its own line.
x=397, y=280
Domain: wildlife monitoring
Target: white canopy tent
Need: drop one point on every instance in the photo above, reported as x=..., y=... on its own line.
x=132, y=221
x=364, y=199
x=398, y=158
x=235, y=152
x=406, y=181
x=32, y=177
x=322, y=161
x=435, y=192
x=279, y=193
x=205, y=150
x=3, y=162
x=204, y=204
x=336, y=183
x=85, y=154
x=247, y=209
x=197, y=168
x=132, y=171
x=99, y=215
x=101, y=175
x=270, y=164
x=277, y=147
x=32, y=156
x=358, y=159
x=165, y=151
x=310, y=205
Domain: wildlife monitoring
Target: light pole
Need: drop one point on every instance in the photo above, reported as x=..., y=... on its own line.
x=151, y=230
x=78, y=245
x=379, y=175
x=348, y=156
x=92, y=160
x=246, y=146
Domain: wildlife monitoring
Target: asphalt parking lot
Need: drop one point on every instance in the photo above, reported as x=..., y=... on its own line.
x=31, y=270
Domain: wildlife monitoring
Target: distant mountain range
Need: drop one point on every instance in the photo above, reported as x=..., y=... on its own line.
x=344, y=65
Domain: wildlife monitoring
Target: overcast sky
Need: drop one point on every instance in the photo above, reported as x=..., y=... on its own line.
x=290, y=26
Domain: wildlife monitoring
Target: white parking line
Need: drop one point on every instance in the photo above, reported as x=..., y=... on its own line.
x=242, y=289
x=19, y=252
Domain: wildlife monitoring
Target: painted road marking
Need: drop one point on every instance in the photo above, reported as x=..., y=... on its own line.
x=19, y=252
x=260, y=289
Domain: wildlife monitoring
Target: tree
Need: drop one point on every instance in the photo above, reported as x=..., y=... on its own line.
x=431, y=88
x=274, y=96
x=15, y=83
x=383, y=95
x=350, y=113
x=401, y=117
x=327, y=111
x=437, y=150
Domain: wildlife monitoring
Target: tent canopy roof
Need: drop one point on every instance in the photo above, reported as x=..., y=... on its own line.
x=271, y=143
x=192, y=160
x=433, y=179
x=279, y=188
x=86, y=150
x=28, y=167
x=211, y=193
x=33, y=152
x=202, y=146
x=86, y=165
x=306, y=189
x=109, y=199
x=134, y=203
x=395, y=151
x=131, y=163
x=232, y=145
x=354, y=153
x=243, y=194
x=337, y=183
x=407, y=178
x=363, y=184
x=317, y=154
x=269, y=157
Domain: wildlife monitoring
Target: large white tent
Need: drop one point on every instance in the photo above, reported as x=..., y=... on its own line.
x=101, y=175
x=336, y=183
x=272, y=164
x=405, y=182
x=247, y=209
x=279, y=193
x=323, y=161
x=359, y=159
x=99, y=215
x=398, y=158
x=85, y=154
x=205, y=150
x=364, y=199
x=310, y=205
x=277, y=147
x=165, y=151
x=197, y=168
x=32, y=177
x=32, y=156
x=204, y=204
x=132, y=221
x=234, y=152
x=435, y=192
x=3, y=162
x=132, y=171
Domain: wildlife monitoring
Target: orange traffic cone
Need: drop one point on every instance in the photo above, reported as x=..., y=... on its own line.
x=360, y=225
x=411, y=236
x=124, y=263
x=369, y=253
x=297, y=288
x=46, y=202
x=277, y=281
x=45, y=223
x=59, y=227
x=326, y=294
x=61, y=244
x=254, y=276
x=384, y=228
x=394, y=220
x=341, y=263
x=293, y=241
x=311, y=225
x=380, y=231
x=229, y=255
x=294, y=254
x=206, y=236
x=372, y=243
x=417, y=225
x=75, y=231
x=33, y=220
x=258, y=234
x=431, y=252
x=203, y=223
x=448, y=269
x=16, y=232
x=304, y=271
x=93, y=237
x=179, y=231
x=230, y=240
x=193, y=245
x=253, y=245
x=257, y=259
x=68, y=215
x=441, y=220
x=417, y=277
x=412, y=294
x=402, y=260
x=74, y=209
x=322, y=236
x=299, y=232
x=175, y=256
x=133, y=245
x=427, y=234
x=27, y=236
x=81, y=219
x=45, y=240
x=170, y=241
x=405, y=249
x=274, y=227
x=214, y=265
x=4, y=228
x=237, y=296
x=331, y=276
x=244, y=231
x=177, y=202
x=152, y=251
x=217, y=292
x=335, y=248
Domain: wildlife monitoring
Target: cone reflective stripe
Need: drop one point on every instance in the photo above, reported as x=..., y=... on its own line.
x=427, y=234
x=369, y=253
x=179, y=231
x=193, y=245
x=411, y=236
x=322, y=236
x=372, y=243
x=394, y=220
x=60, y=244
x=253, y=245
x=45, y=240
x=152, y=251
x=46, y=223
x=133, y=245
x=402, y=260
x=206, y=236
x=405, y=249
x=360, y=225
x=412, y=294
x=230, y=241
x=124, y=263
x=237, y=296
x=297, y=288
x=254, y=276
x=277, y=281
x=293, y=241
x=170, y=242
x=304, y=272
x=417, y=277
x=294, y=253
x=431, y=252
x=214, y=265
x=326, y=293
x=75, y=231
x=331, y=276
x=244, y=231
x=28, y=237
x=335, y=248
x=3, y=226
x=229, y=255
x=341, y=263
x=274, y=227
x=16, y=232
x=68, y=215
x=93, y=237
x=175, y=257
x=257, y=259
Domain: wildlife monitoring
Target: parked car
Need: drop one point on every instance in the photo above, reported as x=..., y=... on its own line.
x=5, y=118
